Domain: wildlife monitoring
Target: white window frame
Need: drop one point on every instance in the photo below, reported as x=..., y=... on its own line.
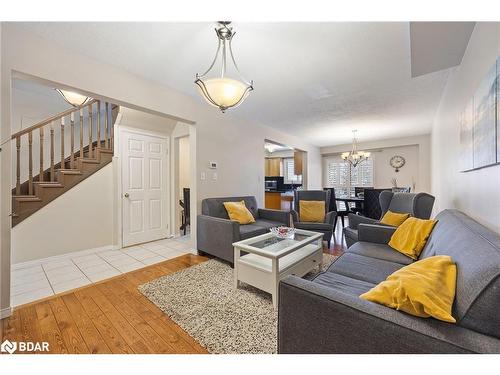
x=348, y=187
x=295, y=179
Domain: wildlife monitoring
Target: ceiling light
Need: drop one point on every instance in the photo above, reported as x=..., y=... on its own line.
x=76, y=100
x=221, y=91
x=355, y=157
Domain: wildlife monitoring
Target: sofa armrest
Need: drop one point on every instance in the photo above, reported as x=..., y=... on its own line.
x=313, y=318
x=279, y=216
x=215, y=236
x=355, y=220
x=330, y=217
x=375, y=233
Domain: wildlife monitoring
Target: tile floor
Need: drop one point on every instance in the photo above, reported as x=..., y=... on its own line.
x=55, y=276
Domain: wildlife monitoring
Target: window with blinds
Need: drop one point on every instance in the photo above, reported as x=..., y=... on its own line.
x=289, y=176
x=344, y=177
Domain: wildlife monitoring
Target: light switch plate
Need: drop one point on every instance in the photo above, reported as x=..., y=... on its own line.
x=203, y=176
x=214, y=176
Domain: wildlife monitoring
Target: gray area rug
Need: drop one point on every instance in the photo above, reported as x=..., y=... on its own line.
x=202, y=300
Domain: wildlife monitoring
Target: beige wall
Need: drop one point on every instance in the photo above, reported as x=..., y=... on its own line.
x=184, y=164
x=384, y=173
x=4, y=189
x=475, y=192
x=237, y=145
x=69, y=223
x=416, y=150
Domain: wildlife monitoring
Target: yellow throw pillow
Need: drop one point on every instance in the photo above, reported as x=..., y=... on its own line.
x=237, y=211
x=312, y=211
x=411, y=236
x=425, y=288
x=394, y=219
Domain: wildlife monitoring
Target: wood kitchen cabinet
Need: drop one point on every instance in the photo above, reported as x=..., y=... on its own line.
x=273, y=200
x=273, y=167
x=298, y=162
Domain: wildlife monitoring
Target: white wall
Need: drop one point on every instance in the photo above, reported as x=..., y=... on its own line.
x=80, y=219
x=237, y=145
x=475, y=192
x=416, y=151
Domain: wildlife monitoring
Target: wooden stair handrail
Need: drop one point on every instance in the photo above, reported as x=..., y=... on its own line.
x=53, y=118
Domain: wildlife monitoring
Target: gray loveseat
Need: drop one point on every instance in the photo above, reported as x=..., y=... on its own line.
x=215, y=233
x=326, y=315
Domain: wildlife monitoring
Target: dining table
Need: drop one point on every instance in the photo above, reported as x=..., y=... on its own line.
x=358, y=201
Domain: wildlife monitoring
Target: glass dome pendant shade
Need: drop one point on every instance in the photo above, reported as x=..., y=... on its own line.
x=76, y=100
x=223, y=92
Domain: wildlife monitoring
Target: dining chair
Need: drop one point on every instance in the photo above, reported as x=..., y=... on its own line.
x=185, y=204
x=334, y=206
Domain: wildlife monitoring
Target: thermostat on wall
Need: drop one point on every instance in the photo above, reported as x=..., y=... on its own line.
x=212, y=165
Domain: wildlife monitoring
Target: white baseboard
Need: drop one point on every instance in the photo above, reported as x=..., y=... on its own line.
x=5, y=313
x=36, y=262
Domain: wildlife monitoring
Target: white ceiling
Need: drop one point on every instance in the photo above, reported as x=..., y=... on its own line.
x=315, y=80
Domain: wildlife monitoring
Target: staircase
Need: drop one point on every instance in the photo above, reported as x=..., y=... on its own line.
x=88, y=142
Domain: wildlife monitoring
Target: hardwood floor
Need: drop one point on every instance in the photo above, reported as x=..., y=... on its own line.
x=107, y=317
x=111, y=316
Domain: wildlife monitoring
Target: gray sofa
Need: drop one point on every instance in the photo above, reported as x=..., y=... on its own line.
x=326, y=315
x=418, y=205
x=215, y=233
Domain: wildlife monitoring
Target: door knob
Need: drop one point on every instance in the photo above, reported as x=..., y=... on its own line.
x=126, y=195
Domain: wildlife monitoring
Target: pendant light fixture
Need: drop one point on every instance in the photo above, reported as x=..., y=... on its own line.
x=355, y=157
x=76, y=100
x=221, y=91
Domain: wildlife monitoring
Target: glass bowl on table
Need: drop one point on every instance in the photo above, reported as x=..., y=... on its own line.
x=283, y=232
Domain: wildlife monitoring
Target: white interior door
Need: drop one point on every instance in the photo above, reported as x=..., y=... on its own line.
x=144, y=188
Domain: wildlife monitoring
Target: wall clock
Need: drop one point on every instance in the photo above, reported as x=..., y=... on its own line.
x=397, y=162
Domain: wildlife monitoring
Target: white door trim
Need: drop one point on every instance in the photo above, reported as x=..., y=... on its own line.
x=121, y=130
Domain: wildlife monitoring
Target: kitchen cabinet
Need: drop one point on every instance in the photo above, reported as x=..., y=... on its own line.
x=298, y=161
x=273, y=200
x=273, y=167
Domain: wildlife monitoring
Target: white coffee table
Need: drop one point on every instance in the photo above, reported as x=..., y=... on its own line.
x=270, y=259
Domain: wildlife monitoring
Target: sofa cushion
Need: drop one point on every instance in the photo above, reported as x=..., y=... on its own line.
x=215, y=206
x=363, y=268
x=411, y=236
x=315, y=227
x=476, y=252
x=343, y=283
x=425, y=288
x=238, y=212
x=379, y=251
x=268, y=224
x=251, y=230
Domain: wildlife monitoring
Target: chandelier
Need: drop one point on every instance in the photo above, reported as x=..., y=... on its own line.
x=76, y=100
x=221, y=91
x=355, y=157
